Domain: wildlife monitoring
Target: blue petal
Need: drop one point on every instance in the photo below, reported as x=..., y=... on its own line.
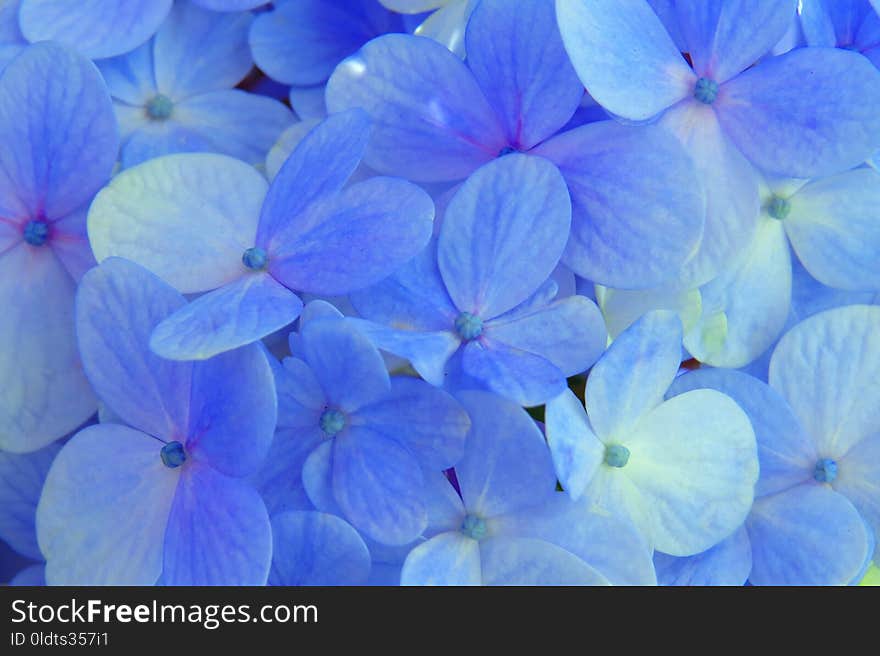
x=724, y=37
x=786, y=454
x=35, y=575
x=147, y=142
x=301, y=42
x=827, y=368
x=230, y=5
x=198, y=51
x=104, y=508
x=218, y=532
x=317, y=477
x=60, y=136
x=354, y=239
x=21, y=482
x=426, y=420
x=834, y=230
x=117, y=306
x=528, y=561
x=524, y=377
x=235, y=123
x=807, y=535
x=189, y=218
x=245, y=310
x=624, y=56
x=319, y=166
x=637, y=203
x=280, y=479
x=97, y=28
x=312, y=548
x=300, y=397
x=727, y=563
x=379, y=485
x=232, y=411
x=447, y=559
x=414, y=298
x=506, y=464
x=813, y=110
x=130, y=79
x=577, y=452
x=634, y=374
x=503, y=233
x=338, y=355
x=11, y=40
x=431, y=121
x=859, y=480
x=526, y=74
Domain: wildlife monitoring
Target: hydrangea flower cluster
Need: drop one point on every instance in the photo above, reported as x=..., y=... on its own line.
x=439, y=292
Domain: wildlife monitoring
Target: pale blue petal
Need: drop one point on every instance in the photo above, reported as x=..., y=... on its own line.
x=302, y=42
x=232, y=411
x=570, y=333
x=445, y=509
x=634, y=374
x=506, y=464
x=859, y=479
x=286, y=144
x=338, y=355
x=834, y=229
x=353, y=239
x=117, y=306
x=637, y=205
x=97, y=28
x=218, y=532
x=379, y=485
x=528, y=561
x=102, y=516
x=11, y=40
x=317, y=477
x=447, y=559
x=157, y=139
x=526, y=75
x=787, y=456
x=577, y=452
x=245, y=310
x=503, y=233
x=309, y=102
x=694, y=460
x=807, y=535
x=621, y=308
x=744, y=310
x=234, y=122
x=524, y=377
x=280, y=480
x=731, y=187
x=426, y=420
x=59, y=133
x=432, y=122
x=189, y=218
x=21, y=482
x=230, y=5
x=197, y=51
x=727, y=563
x=821, y=121
x=624, y=56
x=828, y=368
x=725, y=37
x=300, y=397
x=130, y=79
x=312, y=548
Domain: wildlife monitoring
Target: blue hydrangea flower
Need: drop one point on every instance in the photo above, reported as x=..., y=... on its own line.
x=477, y=310
x=446, y=22
x=163, y=493
x=96, y=28
x=849, y=24
x=11, y=40
x=683, y=470
x=360, y=447
x=313, y=548
x=831, y=223
x=637, y=205
x=231, y=5
x=174, y=93
x=805, y=114
x=509, y=526
x=816, y=425
x=727, y=563
x=21, y=483
x=206, y=222
x=301, y=42
x=59, y=141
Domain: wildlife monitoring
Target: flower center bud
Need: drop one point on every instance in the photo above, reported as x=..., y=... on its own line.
x=825, y=471
x=616, y=455
x=255, y=258
x=474, y=527
x=468, y=326
x=36, y=232
x=332, y=421
x=173, y=455
x=159, y=108
x=706, y=90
